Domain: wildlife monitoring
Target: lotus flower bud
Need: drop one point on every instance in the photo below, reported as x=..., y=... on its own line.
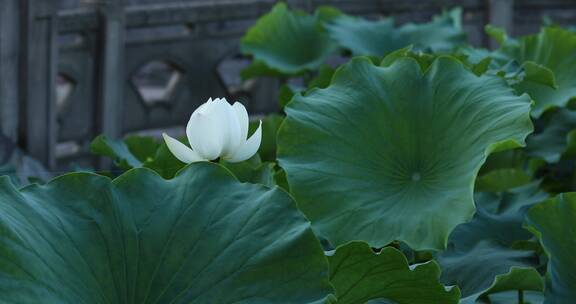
x=217, y=129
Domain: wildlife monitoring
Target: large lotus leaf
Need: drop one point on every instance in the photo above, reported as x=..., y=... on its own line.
x=489, y=267
x=288, y=41
x=555, y=49
x=380, y=37
x=479, y=258
x=366, y=37
x=443, y=33
x=383, y=153
x=553, y=221
x=499, y=217
x=201, y=237
x=359, y=275
x=557, y=139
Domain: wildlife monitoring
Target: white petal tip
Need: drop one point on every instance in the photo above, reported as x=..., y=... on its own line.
x=249, y=148
x=180, y=150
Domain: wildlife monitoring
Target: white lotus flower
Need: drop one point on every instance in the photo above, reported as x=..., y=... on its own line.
x=217, y=129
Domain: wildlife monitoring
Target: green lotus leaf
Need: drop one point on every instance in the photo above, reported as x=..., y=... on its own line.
x=129, y=153
x=521, y=279
x=380, y=37
x=480, y=259
x=489, y=267
x=442, y=34
x=322, y=80
x=502, y=180
x=285, y=94
x=555, y=49
x=553, y=223
x=556, y=140
x=254, y=172
x=496, y=33
x=482, y=57
x=164, y=162
x=21, y=168
x=270, y=125
x=84, y=238
x=366, y=37
x=537, y=73
x=383, y=152
x=507, y=297
x=509, y=159
x=515, y=159
x=258, y=68
x=481, y=66
x=498, y=218
x=501, y=64
x=425, y=60
x=280, y=179
x=287, y=41
x=359, y=275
